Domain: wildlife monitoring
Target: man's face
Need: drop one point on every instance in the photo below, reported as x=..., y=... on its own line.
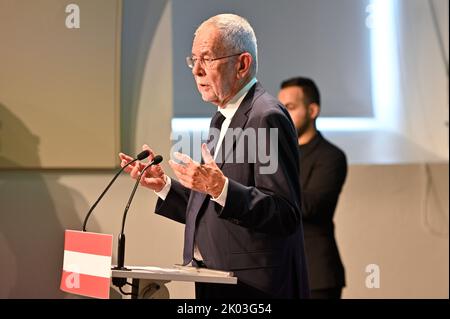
x=217, y=83
x=292, y=97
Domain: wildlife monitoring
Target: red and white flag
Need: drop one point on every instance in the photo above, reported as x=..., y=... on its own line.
x=87, y=264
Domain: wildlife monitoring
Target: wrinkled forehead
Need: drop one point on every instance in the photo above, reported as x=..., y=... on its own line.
x=208, y=40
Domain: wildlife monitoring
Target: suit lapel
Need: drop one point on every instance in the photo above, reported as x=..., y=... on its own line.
x=197, y=199
x=239, y=121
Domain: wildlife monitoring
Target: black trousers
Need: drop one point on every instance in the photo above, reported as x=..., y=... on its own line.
x=331, y=293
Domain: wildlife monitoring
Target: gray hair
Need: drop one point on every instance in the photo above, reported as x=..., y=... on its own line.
x=236, y=33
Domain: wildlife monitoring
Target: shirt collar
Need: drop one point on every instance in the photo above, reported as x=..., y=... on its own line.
x=230, y=109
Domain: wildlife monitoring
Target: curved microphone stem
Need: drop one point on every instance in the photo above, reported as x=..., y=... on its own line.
x=132, y=195
x=103, y=194
x=142, y=155
x=121, y=239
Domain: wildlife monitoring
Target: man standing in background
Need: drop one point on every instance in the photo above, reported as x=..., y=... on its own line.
x=323, y=168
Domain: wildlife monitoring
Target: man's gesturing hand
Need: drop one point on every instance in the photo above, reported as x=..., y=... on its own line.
x=153, y=178
x=206, y=178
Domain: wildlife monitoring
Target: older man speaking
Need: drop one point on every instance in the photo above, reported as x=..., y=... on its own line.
x=237, y=216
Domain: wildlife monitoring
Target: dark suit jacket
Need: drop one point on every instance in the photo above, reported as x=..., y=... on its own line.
x=323, y=168
x=258, y=234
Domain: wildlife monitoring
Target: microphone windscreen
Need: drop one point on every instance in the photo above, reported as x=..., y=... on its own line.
x=143, y=155
x=158, y=159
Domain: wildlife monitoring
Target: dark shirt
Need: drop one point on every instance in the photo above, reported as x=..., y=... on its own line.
x=323, y=169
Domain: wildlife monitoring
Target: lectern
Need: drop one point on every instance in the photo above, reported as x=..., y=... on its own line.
x=148, y=282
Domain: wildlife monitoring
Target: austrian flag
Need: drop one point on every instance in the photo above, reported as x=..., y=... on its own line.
x=87, y=264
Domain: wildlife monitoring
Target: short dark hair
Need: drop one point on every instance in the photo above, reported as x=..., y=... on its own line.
x=310, y=90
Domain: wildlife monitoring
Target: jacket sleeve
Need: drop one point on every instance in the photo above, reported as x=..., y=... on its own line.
x=174, y=206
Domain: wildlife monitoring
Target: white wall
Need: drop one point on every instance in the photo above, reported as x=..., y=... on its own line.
x=395, y=216
x=423, y=113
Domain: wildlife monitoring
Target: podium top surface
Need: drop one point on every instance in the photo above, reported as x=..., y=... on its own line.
x=176, y=273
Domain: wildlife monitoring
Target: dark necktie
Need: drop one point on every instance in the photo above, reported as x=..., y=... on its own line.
x=216, y=123
x=199, y=200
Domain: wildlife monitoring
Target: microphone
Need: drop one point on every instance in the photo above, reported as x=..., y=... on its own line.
x=142, y=155
x=119, y=282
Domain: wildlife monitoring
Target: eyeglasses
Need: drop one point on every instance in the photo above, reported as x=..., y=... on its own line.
x=190, y=61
